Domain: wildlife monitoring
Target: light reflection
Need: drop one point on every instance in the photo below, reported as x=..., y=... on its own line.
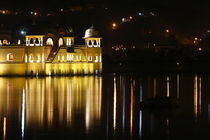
x=131, y=110
x=124, y=107
x=141, y=91
x=155, y=94
x=115, y=104
x=4, y=128
x=196, y=97
x=23, y=113
x=200, y=94
x=46, y=102
x=168, y=87
x=177, y=78
x=140, y=123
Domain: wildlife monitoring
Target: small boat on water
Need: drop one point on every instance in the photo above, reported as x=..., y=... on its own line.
x=159, y=103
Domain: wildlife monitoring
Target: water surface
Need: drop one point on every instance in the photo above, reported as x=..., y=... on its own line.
x=106, y=107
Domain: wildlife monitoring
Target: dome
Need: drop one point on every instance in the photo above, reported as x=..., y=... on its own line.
x=91, y=32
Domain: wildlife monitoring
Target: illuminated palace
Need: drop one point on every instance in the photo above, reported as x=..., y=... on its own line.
x=51, y=54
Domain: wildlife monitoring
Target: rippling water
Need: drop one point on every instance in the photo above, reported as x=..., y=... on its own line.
x=103, y=107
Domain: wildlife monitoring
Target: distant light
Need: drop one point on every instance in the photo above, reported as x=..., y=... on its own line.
x=208, y=31
x=114, y=25
x=131, y=17
x=35, y=13
x=196, y=38
x=194, y=42
x=123, y=20
x=22, y=32
x=167, y=30
x=140, y=14
x=200, y=49
x=61, y=10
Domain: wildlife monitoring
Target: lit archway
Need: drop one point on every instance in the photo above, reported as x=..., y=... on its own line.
x=60, y=42
x=10, y=57
x=49, y=41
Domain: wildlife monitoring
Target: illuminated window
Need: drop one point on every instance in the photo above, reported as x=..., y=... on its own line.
x=10, y=57
x=68, y=41
x=59, y=58
x=38, y=59
x=31, y=41
x=49, y=41
x=96, y=58
x=60, y=42
x=5, y=42
x=26, y=58
x=71, y=57
x=37, y=41
x=31, y=58
x=90, y=58
x=67, y=57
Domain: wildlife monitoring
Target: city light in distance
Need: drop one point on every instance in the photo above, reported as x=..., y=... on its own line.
x=114, y=25
x=22, y=32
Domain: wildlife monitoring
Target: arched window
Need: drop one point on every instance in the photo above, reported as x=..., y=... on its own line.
x=95, y=43
x=31, y=41
x=37, y=41
x=49, y=41
x=60, y=42
x=10, y=57
x=89, y=43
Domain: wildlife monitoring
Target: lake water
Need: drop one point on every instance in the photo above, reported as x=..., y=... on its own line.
x=105, y=107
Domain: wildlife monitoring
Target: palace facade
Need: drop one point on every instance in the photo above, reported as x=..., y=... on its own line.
x=49, y=54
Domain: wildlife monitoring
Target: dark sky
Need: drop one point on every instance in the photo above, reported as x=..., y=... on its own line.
x=188, y=4
x=187, y=11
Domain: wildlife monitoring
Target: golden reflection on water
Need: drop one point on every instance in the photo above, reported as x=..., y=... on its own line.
x=168, y=86
x=43, y=102
x=4, y=128
x=131, y=108
x=197, y=96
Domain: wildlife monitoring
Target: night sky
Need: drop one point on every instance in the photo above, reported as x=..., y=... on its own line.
x=186, y=14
